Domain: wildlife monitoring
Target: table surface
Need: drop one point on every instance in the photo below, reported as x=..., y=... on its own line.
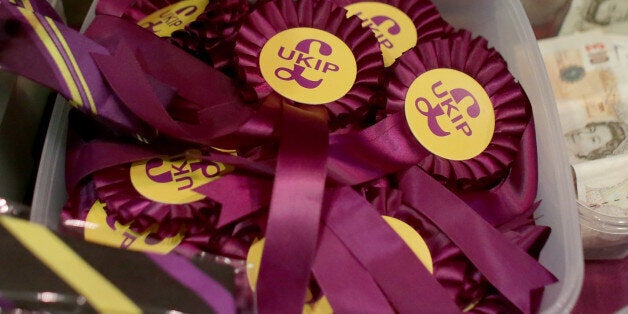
x=605, y=287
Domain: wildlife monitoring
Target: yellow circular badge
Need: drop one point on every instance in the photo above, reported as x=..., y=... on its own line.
x=450, y=114
x=172, y=180
x=308, y=65
x=413, y=240
x=395, y=31
x=174, y=17
x=97, y=230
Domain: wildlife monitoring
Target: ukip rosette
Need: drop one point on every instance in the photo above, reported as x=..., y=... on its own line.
x=129, y=192
x=86, y=216
x=449, y=265
x=205, y=29
x=211, y=37
x=161, y=17
x=312, y=55
x=399, y=25
x=463, y=105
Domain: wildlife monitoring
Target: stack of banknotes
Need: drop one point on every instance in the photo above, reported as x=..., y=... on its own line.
x=587, y=63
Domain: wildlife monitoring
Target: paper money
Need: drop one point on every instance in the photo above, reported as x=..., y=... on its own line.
x=590, y=83
x=608, y=15
x=606, y=191
x=589, y=76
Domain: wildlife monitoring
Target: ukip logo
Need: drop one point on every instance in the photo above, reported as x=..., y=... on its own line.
x=181, y=171
x=174, y=17
x=172, y=180
x=450, y=106
x=304, y=60
x=450, y=114
x=308, y=65
x=393, y=28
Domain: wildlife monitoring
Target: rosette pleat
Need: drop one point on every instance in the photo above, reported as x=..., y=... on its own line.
x=194, y=223
x=472, y=56
x=211, y=37
x=126, y=205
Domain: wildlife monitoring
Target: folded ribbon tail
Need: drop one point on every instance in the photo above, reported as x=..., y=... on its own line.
x=87, y=158
x=344, y=281
x=385, y=148
x=407, y=284
x=113, y=7
x=219, y=109
x=50, y=53
x=517, y=192
x=54, y=55
x=506, y=266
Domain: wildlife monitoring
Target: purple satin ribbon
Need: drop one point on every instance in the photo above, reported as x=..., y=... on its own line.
x=381, y=149
x=517, y=192
x=210, y=291
x=346, y=284
x=113, y=7
x=511, y=270
x=221, y=111
x=294, y=215
x=234, y=208
x=127, y=79
x=402, y=277
x=42, y=7
x=99, y=155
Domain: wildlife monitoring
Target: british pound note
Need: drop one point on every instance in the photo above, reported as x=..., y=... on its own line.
x=590, y=84
x=605, y=191
x=608, y=15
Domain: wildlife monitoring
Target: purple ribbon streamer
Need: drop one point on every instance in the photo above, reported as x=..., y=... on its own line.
x=113, y=7
x=98, y=155
x=42, y=7
x=222, y=113
x=256, y=192
x=294, y=215
x=511, y=270
x=381, y=149
x=210, y=291
x=402, y=277
x=345, y=282
x=517, y=192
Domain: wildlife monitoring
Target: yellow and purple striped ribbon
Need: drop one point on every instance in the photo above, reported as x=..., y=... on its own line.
x=60, y=52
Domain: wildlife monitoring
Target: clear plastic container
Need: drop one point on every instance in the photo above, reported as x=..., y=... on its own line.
x=546, y=16
x=505, y=25
x=603, y=236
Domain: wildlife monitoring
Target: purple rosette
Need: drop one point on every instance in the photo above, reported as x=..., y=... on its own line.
x=471, y=291
x=149, y=192
x=211, y=37
x=190, y=228
x=312, y=55
x=127, y=205
x=428, y=22
x=208, y=36
x=512, y=110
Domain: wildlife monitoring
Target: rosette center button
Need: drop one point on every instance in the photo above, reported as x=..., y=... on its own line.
x=308, y=65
